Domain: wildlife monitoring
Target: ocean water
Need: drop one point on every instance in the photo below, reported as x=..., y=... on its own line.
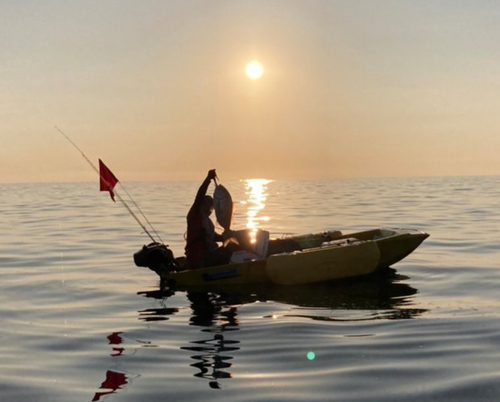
x=80, y=322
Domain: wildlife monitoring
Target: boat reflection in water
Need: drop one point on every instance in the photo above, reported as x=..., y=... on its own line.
x=217, y=319
x=377, y=296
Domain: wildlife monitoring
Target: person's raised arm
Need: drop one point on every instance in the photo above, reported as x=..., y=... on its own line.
x=202, y=191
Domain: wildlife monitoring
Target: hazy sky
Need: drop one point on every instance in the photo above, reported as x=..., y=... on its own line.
x=158, y=90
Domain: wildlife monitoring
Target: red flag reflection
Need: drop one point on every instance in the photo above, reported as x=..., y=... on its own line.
x=113, y=382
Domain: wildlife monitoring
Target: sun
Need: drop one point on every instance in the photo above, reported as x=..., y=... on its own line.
x=254, y=70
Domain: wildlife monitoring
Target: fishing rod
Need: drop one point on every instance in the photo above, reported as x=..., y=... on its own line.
x=140, y=210
x=111, y=189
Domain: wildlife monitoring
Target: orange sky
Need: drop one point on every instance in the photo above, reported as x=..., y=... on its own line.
x=158, y=90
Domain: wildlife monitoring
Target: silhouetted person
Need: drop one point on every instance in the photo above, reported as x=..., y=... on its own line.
x=201, y=241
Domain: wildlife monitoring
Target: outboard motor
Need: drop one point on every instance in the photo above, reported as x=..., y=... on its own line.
x=157, y=257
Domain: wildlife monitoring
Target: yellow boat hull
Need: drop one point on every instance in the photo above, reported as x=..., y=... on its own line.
x=324, y=257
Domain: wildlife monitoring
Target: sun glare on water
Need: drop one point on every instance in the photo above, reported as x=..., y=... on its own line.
x=256, y=190
x=254, y=70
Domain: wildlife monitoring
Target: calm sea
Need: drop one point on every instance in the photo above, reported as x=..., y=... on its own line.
x=80, y=322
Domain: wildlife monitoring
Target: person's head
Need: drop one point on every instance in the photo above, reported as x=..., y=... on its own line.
x=208, y=205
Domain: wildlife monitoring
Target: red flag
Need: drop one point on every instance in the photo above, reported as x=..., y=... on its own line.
x=108, y=180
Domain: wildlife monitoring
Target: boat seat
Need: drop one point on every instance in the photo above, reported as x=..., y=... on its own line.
x=261, y=243
x=341, y=242
x=261, y=248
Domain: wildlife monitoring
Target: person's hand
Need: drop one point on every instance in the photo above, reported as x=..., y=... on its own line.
x=227, y=234
x=211, y=174
x=229, y=237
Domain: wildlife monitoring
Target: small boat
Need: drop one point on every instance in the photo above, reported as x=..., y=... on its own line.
x=294, y=260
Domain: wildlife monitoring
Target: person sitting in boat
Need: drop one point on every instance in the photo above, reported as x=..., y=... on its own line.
x=201, y=240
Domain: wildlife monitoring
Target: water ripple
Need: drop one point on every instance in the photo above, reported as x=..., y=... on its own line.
x=79, y=322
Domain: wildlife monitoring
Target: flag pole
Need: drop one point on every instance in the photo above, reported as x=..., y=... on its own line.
x=109, y=187
x=87, y=159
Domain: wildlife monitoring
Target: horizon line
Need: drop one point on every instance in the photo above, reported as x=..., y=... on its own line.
x=263, y=178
